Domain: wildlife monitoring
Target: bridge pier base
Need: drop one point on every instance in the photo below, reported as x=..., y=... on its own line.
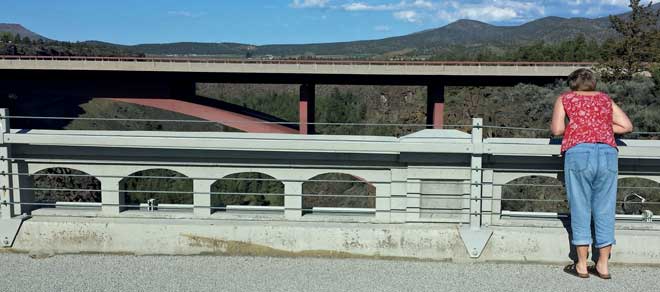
x=435, y=105
x=307, y=108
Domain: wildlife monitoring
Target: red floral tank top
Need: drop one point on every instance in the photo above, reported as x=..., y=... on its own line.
x=590, y=120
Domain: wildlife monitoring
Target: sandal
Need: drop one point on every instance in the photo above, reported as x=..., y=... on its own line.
x=572, y=270
x=594, y=270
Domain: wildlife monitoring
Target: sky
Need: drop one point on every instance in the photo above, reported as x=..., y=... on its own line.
x=275, y=21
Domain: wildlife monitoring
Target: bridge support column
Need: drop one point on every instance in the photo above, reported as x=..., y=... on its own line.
x=202, y=197
x=111, y=198
x=307, y=108
x=435, y=105
x=293, y=201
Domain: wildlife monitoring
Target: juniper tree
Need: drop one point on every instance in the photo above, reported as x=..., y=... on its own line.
x=638, y=44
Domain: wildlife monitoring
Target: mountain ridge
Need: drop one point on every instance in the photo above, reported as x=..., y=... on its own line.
x=15, y=28
x=463, y=33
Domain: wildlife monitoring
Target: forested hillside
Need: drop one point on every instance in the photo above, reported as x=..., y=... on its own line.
x=460, y=40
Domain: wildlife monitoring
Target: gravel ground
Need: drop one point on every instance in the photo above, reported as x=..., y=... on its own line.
x=19, y=272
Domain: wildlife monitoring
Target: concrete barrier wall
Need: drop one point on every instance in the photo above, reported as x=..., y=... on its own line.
x=441, y=242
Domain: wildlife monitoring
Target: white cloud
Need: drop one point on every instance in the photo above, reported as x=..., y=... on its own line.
x=488, y=13
x=183, y=13
x=442, y=11
x=309, y=3
x=402, y=5
x=360, y=6
x=423, y=4
x=408, y=16
x=621, y=3
x=492, y=10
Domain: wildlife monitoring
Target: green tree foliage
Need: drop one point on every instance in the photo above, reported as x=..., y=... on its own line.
x=576, y=50
x=148, y=188
x=70, y=181
x=579, y=49
x=647, y=189
x=257, y=185
x=24, y=46
x=548, y=195
x=5, y=37
x=353, y=110
x=347, y=192
x=638, y=44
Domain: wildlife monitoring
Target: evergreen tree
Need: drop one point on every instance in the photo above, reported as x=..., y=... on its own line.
x=638, y=44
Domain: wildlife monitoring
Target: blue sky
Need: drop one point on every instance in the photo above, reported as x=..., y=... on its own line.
x=274, y=21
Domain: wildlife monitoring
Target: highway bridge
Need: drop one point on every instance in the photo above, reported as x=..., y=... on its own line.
x=170, y=83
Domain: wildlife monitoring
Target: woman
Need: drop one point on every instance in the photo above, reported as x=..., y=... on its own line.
x=590, y=166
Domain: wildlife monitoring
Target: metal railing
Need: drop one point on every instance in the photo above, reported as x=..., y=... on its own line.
x=434, y=178
x=288, y=62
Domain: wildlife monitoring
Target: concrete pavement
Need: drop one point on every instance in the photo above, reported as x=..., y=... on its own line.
x=20, y=272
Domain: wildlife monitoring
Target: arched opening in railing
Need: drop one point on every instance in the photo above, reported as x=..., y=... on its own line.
x=163, y=186
x=534, y=194
x=636, y=195
x=247, y=189
x=54, y=186
x=338, y=190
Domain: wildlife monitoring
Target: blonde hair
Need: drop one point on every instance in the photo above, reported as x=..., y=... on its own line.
x=582, y=80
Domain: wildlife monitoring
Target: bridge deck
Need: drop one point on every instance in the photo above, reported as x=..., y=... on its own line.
x=316, y=67
x=204, y=273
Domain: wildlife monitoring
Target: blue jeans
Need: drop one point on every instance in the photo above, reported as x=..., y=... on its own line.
x=591, y=172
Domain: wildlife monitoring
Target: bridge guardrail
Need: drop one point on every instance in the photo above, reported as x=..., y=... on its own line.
x=319, y=62
x=432, y=176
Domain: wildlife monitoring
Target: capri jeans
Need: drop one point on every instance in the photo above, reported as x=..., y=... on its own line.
x=591, y=173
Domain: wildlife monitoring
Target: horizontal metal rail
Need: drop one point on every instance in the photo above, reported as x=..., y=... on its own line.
x=303, y=181
x=358, y=210
x=449, y=197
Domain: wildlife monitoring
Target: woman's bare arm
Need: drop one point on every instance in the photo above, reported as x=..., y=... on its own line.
x=621, y=122
x=558, y=124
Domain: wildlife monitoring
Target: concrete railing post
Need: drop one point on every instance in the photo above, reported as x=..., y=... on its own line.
x=383, y=202
x=399, y=196
x=5, y=169
x=111, y=199
x=414, y=199
x=202, y=197
x=293, y=201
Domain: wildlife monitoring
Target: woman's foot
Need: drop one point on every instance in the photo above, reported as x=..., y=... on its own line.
x=577, y=270
x=601, y=271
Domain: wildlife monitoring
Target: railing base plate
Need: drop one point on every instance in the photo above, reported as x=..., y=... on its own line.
x=475, y=240
x=9, y=229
